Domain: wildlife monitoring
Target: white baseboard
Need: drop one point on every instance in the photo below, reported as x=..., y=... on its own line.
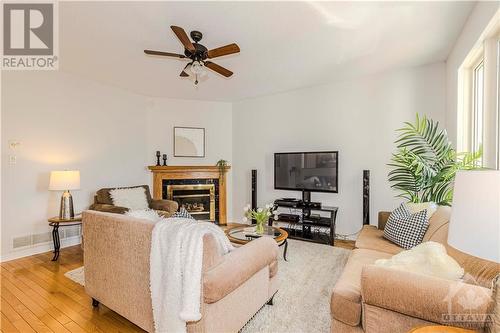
x=41, y=248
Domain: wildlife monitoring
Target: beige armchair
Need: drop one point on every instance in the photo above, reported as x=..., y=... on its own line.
x=104, y=203
x=116, y=258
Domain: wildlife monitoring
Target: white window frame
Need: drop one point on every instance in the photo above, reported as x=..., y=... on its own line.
x=486, y=53
x=477, y=105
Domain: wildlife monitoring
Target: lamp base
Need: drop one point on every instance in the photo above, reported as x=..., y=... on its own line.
x=66, y=209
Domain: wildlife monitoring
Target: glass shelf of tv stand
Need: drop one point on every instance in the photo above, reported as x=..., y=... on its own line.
x=307, y=225
x=322, y=222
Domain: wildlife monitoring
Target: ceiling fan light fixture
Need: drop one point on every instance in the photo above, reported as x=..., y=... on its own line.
x=197, y=68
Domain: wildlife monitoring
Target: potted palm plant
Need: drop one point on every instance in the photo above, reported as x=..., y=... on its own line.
x=425, y=164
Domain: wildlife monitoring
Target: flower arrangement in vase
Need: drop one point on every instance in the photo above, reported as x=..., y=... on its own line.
x=260, y=215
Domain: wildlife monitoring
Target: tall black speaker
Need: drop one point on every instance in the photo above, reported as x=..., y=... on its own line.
x=366, y=196
x=254, y=192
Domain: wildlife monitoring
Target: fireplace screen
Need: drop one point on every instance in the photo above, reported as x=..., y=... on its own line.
x=197, y=199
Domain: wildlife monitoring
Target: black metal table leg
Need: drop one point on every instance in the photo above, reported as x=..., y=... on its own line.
x=55, y=238
x=285, y=242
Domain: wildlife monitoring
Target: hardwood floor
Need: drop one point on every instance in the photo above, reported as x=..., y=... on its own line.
x=37, y=297
x=345, y=244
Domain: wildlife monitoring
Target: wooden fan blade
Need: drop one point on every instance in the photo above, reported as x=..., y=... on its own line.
x=168, y=54
x=219, y=69
x=223, y=50
x=183, y=73
x=183, y=37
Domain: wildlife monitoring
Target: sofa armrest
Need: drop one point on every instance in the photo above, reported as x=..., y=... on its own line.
x=237, y=267
x=425, y=297
x=382, y=219
x=165, y=205
x=108, y=208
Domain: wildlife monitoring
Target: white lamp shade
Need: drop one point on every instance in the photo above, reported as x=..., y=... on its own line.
x=64, y=180
x=475, y=214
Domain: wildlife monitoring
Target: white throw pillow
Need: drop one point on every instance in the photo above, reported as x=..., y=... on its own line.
x=431, y=207
x=428, y=258
x=146, y=214
x=131, y=198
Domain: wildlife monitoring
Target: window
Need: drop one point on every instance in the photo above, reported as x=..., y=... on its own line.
x=478, y=103
x=478, y=107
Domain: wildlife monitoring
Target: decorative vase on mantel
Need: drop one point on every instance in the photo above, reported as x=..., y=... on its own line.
x=260, y=215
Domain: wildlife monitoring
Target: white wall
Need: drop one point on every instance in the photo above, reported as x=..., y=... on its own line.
x=110, y=135
x=358, y=118
x=478, y=20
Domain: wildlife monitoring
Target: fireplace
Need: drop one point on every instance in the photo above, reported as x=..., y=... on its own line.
x=197, y=199
x=200, y=189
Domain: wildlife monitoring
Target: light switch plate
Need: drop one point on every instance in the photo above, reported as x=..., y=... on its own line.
x=13, y=144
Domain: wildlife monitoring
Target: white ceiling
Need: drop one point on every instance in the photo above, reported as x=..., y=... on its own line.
x=284, y=45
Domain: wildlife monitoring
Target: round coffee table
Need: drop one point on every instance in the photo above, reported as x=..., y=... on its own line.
x=243, y=234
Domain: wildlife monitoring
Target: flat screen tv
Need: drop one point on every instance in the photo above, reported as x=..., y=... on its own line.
x=307, y=171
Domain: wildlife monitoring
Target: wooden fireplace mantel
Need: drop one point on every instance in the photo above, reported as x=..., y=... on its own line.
x=192, y=172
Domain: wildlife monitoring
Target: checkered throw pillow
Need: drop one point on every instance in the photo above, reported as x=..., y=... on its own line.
x=406, y=229
x=182, y=213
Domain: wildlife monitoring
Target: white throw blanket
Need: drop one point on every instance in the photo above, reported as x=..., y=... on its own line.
x=176, y=270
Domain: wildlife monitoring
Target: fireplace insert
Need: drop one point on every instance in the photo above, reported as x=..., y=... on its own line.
x=198, y=199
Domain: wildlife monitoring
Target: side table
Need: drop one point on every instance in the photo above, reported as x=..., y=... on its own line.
x=55, y=223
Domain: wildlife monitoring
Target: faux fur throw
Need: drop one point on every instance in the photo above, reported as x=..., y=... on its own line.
x=428, y=258
x=132, y=198
x=176, y=270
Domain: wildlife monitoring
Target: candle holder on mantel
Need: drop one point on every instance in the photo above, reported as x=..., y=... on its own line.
x=164, y=159
x=158, y=154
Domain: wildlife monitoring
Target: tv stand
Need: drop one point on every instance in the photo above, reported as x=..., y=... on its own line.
x=311, y=227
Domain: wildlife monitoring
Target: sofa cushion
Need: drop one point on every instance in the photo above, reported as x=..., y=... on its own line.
x=345, y=304
x=371, y=238
x=438, y=225
x=430, y=207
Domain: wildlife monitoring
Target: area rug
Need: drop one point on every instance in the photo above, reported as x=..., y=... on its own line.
x=302, y=303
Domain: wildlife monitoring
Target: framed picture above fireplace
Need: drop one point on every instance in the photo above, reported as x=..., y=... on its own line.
x=189, y=142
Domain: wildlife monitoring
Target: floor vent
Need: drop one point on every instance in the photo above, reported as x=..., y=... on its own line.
x=72, y=231
x=22, y=241
x=45, y=237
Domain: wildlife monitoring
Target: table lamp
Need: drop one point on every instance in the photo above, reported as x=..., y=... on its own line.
x=475, y=215
x=65, y=181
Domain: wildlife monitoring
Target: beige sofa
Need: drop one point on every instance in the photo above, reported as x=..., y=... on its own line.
x=373, y=299
x=116, y=258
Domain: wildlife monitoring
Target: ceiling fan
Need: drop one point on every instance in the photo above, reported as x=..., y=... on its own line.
x=198, y=54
